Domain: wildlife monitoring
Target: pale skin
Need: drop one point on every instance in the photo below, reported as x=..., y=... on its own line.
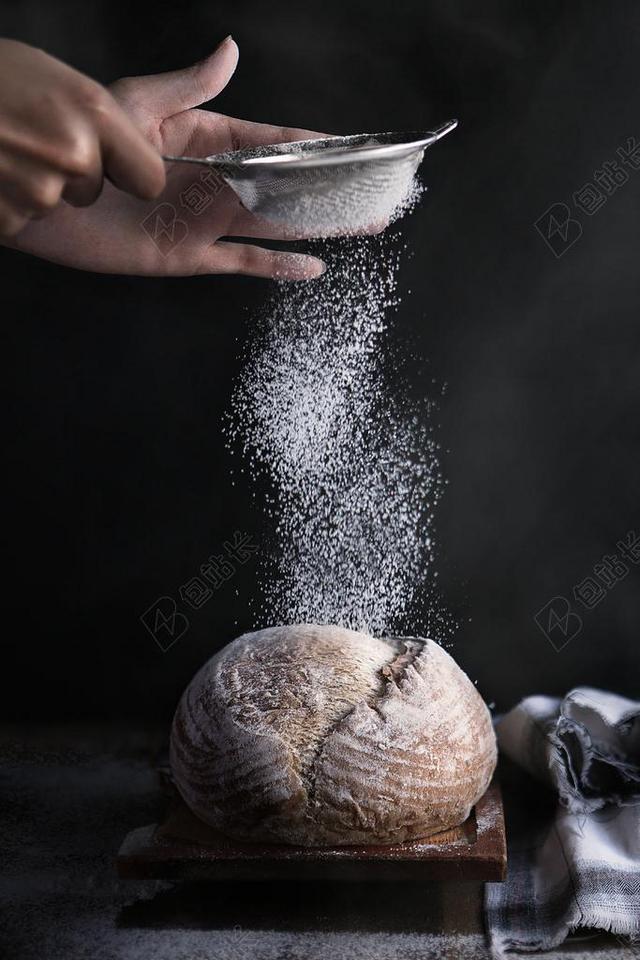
x=81, y=170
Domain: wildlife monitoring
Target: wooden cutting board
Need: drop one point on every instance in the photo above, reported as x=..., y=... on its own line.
x=182, y=847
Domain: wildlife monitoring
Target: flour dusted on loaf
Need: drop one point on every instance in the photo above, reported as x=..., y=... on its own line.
x=318, y=735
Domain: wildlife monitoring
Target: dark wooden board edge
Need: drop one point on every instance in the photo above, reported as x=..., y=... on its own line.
x=182, y=827
x=144, y=855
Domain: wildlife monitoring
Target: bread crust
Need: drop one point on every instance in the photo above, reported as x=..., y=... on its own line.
x=321, y=736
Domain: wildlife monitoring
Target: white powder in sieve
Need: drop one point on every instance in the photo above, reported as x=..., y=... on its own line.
x=322, y=412
x=328, y=199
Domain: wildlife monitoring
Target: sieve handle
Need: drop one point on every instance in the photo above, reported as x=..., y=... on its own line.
x=200, y=160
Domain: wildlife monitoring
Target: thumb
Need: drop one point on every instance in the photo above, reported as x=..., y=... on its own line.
x=163, y=94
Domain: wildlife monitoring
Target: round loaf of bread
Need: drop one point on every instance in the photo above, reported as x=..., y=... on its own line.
x=320, y=736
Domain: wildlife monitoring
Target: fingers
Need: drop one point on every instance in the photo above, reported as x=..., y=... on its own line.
x=11, y=219
x=83, y=189
x=29, y=184
x=130, y=161
x=28, y=189
x=245, y=133
x=252, y=261
x=93, y=135
x=164, y=94
x=59, y=130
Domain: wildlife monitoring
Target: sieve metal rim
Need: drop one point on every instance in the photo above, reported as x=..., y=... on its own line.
x=323, y=152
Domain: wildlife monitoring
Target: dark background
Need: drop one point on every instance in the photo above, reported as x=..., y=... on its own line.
x=117, y=478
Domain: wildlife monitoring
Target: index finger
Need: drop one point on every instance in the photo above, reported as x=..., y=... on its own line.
x=258, y=134
x=130, y=161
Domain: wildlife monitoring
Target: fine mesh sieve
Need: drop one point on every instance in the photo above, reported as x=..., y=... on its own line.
x=330, y=185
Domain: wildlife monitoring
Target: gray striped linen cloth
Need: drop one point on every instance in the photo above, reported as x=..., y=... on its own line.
x=576, y=862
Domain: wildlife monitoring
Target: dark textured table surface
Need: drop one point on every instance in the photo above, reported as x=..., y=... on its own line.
x=69, y=797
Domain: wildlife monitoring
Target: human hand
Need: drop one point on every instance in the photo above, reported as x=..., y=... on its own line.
x=60, y=133
x=120, y=234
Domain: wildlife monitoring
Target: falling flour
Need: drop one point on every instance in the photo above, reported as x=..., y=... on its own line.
x=322, y=412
